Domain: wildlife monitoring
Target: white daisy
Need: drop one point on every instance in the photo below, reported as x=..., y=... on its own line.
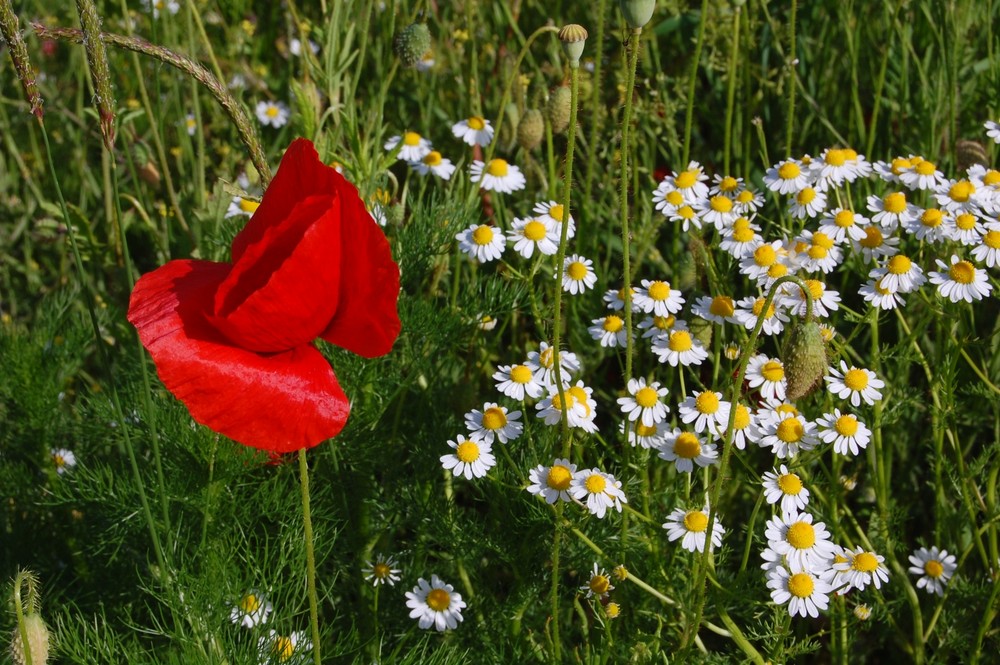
x=555, y=213
x=542, y=363
x=616, y=299
x=474, y=130
x=719, y=211
x=493, y=422
x=854, y=383
x=862, y=568
x=922, y=175
x=784, y=487
x=879, y=296
x=899, y=274
x=706, y=409
x=992, y=130
x=842, y=225
x=295, y=46
x=517, y=381
x=686, y=449
x=471, y=458
x=741, y=238
x=679, y=348
x=750, y=309
x=435, y=604
x=552, y=482
x=824, y=300
x=961, y=280
x=581, y=407
x=598, y=490
x=190, y=124
x=530, y=233
x=891, y=210
x=578, y=274
x=931, y=225
x=241, y=206
x=805, y=593
x=821, y=252
x=890, y=172
x=957, y=196
x=63, y=459
x=272, y=114
x=252, y=610
x=660, y=326
x=787, y=435
x=767, y=375
x=291, y=649
x=787, y=177
x=749, y=201
x=875, y=244
x=414, y=148
x=643, y=436
x=497, y=176
x=690, y=182
x=158, y=6
x=599, y=583
x=482, y=242
x=609, y=331
x=643, y=402
x=435, y=164
x=744, y=425
x=988, y=250
x=844, y=431
x=690, y=527
x=796, y=542
x=808, y=202
x=656, y=297
x=935, y=568
x=383, y=571
x=965, y=228
x=832, y=168
x=718, y=309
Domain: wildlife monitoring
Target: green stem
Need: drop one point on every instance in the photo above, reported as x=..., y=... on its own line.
x=310, y=557
x=692, y=82
x=633, y=63
x=554, y=599
x=732, y=77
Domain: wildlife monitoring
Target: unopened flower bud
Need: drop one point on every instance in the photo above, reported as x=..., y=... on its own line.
x=37, y=645
x=412, y=43
x=531, y=129
x=637, y=12
x=862, y=612
x=574, y=38
x=558, y=109
x=804, y=358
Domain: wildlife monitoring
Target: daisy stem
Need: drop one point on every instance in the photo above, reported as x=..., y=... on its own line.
x=554, y=599
x=793, y=62
x=310, y=557
x=736, y=635
x=732, y=77
x=692, y=83
x=633, y=62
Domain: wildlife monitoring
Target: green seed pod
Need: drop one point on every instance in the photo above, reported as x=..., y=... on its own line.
x=412, y=43
x=637, y=12
x=558, y=109
x=531, y=129
x=805, y=360
x=574, y=38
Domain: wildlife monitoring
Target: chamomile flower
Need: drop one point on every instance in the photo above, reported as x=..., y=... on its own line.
x=252, y=610
x=383, y=571
x=643, y=402
x=785, y=488
x=988, y=250
x=795, y=539
x=892, y=210
x=965, y=228
x=493, y=422
x=787, y=435
x=599, y=583
x=415, y=147
x=580, y=408
x=158, y=6
x=656, y=297
x=691, y=527
x=749, y=201
x=658, y=326
x=844, y=431
x=615, y=299
x=667, y=198
x=880, y=297
x=598, y=490
x=890, y=172
x=609, y=331
x=929, y=225
x=992, y=130
x=190, y=124
x=295, y=46
x=804, y=592
x=787, y=177
x=824, y=300
x=843, y=224
x=518, y=381
x=435, y=604
x=875, y=244
x=241, y=206
x=578, y=274
x=291, y=649
x=690, y=183
x=756, y=263
x=808, y=202
x=961, y=280
x=378, y=205
x=935, y=568
x=643, y=436
x=552, y=482
x=832, y=168
x=957, y=196
x=497, y=176
x=471, y=458
x=63, y=459
x=854, y=383
x=744, y=425
x=821, y=252
x=482, y=242
x=272, y=114
x=749, y=310
x=767, y=375
x=474, y=130
x=727, y=185
x=899, y=274
x=434, y=164
x=542, y=363
x=530, y=233
x=706, y=409
x=556, y=214
x=922, y=175
x=862, y=568
x=741, y=238
x=718, y=309
x=688, y=216
x=686, y=449
x=719, y=211
x=678, y=347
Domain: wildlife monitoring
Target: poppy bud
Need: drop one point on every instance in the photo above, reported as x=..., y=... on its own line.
x=558, y=109
x=574, y=38
x=637, y=12
x=412, y=43
x=531, y=129
x=804, y=358
x=38, y=642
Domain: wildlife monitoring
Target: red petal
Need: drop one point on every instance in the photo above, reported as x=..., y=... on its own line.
x=283, y=291
x=278, y=402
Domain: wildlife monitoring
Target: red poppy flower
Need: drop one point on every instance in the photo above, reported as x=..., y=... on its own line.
x=234, y=341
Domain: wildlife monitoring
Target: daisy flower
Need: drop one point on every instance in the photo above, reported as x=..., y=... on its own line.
x=784, y=487
x=787, y=435
x=481, y=242
x=295, y=46
x=832, y=168
x=844, y=431
x=516, y=381
x=252, y=610
x=690, y=527
x=690, y=183
x=794, y=539
x=875, y=244
x=578, y=274
x=767, y=375
x=743, y=426
x=808, y=202
x=935, y=568
x=555, y=213
x=241, y=206
x=842, y=225
x=824, y=300
x=957, y=196
x=581, y=408
x=718, y=210
x=643, y=436
x=434, y=164
x=552, y=482
x=804, y=592
x=862, y=568
x=787, y=177
x=190, y=124
x=291, y=649
x=471, y=458
x=929, y=225
x=599, y=583
x=679, y=348
x=616, y=299
x=599, y=490
x=542, y=363
x=821, y=252
x=854, y=383
x=415, y=147
x=718, y=309
x=529, y=233
x=63, y=459
x=272, y=114
x=435, y=604
x=988, y=250
x=899, y=274
x=756, y=264
x=609, y=331
x=922, y=175
x=474, y=130
x=749, y=310
x=687, y=216
x=378, y=204
x=493, y=422
x=741, y=238
x=891, y=210
x=992, y=130
x=879, y=296
x=726, y=184
x=749, y=201
x=706, y=409
x=497, y=176
x=656, y=297
x=891, y=171
x=158, y=6
x=961, y=280
x=686, y=449
x=383, y=571
x=643, y=402
x=964, y=228
x=659, y=326
x=667, y=198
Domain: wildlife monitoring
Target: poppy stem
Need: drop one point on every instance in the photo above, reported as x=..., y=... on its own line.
x=310, y=556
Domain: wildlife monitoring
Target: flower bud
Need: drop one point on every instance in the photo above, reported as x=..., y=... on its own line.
x=531, y=129
x=574, y=38
x=558, y=109
x=412, y=43
x=38, y=642
x=805, y=360
x=637, y=12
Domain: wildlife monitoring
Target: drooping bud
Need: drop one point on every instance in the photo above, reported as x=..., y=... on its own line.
x=637, y=12
x=804, y=358
x=30, y=642
x=411, y=43
x=574, y=38
x=97, y=60
x=11, y=31
x=531, y=129
x=558, y=109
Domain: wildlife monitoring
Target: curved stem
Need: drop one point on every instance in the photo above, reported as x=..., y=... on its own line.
x=310, y=557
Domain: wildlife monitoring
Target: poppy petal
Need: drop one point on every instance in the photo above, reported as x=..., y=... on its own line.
x=278, y=402
x=283, y=291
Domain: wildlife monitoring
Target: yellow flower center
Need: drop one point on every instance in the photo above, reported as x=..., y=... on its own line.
x=580, y=395
x=686, y=212
x=695, y=521
x=468, y=451
x=250, y=603
x=899, y=165
x=249, y=206
x=576, y=271
x=433, y=158
x=545, y=357
x=777, y=270
x=744, y=197
x=844, y=219
x=895, y=202
x=772, y=371
x=483, y=235
x=961, y=191
x=721, y=203
x=742, y=417
x=728, y=184
x=381, y=571
x=497, y=168
x=816, y=288
x=595, y=483
x=742, y=234
x=789, y=171
x=612, y=610
x=873, y=238
x=925, y=168
x=680, y=341
x=846, y=425
x=494, y=418
x=675, y=198
x=931, y=218
x=835, y=157
x=758, y=307
x=934, y=568
x=850, y=154
x=556, y=212
x=965, y=221
x=613, y=323
x=801, y=585
x=411, y=139
x=899, y=265
x=806, y=196
x=817, y=252
x=789, y=483
x=272, y=112
x=283, y=648
x=534, y=230
x=790, y=430
x=866, y=562
x=962, y=272
x=659, y=290
x=764, y=255
x=438, y=600
x=664, y=322
x=820, y=239
x=599, y=584
x=991, y=178
x=786, y=409
x=476, y=123
x=706, y=402
x=559, y=478
x=801, y=535
x=687, y=446
x=686, y=179
x=721, y=306
x=646, y=397
x=856, y=379
x=992, y=239
x=645, y=430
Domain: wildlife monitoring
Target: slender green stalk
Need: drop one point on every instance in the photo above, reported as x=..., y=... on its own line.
x=732, y=76
x=693, y=82
x=310, y=557
x=25, y=579
x=554, y=590
x=633, y=63
x=793, y=64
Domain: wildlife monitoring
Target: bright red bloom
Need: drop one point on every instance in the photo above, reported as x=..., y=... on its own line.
x=234, y=341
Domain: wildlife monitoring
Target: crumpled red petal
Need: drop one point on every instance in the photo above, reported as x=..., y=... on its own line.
x=284, y=290
x=277, y=402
